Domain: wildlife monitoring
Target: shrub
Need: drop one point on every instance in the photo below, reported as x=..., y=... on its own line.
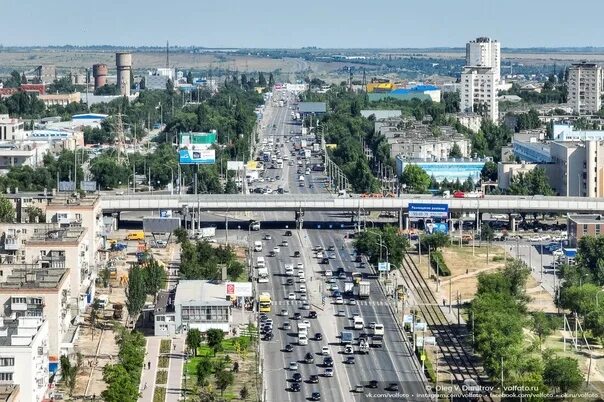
x=437, y=262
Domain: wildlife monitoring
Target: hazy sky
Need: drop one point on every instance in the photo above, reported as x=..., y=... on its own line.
x=286, y=23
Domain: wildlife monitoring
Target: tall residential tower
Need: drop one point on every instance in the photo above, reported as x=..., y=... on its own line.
x=585, y=84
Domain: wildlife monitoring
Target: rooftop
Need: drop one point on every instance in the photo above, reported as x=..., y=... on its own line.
x=62, y=234
x=586, y=219
x=164, y=303
x=198, y=292
x=67, y=199
x=33, y=276
x=19, y=332
x=9, y=393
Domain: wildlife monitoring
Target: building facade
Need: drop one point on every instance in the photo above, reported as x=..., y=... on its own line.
x=485, y=52
x=449, y=170
x=11, y=129
x=584, y=225
x=479, y=92
x=580, y=168
x=585, y=82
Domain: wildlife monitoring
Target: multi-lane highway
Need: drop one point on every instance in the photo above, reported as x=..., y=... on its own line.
x=392, y=363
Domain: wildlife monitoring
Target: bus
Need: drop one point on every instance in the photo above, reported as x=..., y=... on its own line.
x=265, y=302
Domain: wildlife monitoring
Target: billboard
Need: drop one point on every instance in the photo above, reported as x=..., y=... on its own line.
x=239, y=289
x=384, y=266
x=428, y=210
x=153, y=224
x=67, y=186
x=197, y=156
x=234, y=165
x=165, y=213
x=89, y=186
x=198, y=138
x=441, y=227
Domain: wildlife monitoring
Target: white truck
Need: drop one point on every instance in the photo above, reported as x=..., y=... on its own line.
x=362, y=290
x=206, y=233
x=316, y=147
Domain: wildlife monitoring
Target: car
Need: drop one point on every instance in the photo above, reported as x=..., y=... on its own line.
x=296, y=254
x=277, y=177
x=276, y=250
x=372, y=384
x=313, y=379
x=319, y=254
x=342, y=275
x=302, y=288
x=268, y=336
x=331, y=248
x=307, y=323
x=336, y=292
x=358, y=388
x=290, y=281
x=272, y=253
x=318, y=336
x=358, y=258
x=312, y=314
x=263, y=317
x=297, y=316
x=300, y=266
x=392, y=387
x=316, y=396
x=291, y=296
x=288, y=233
x=287, y=325
x=348, y=350
x=352, y=302
x=121, y=192
x=311, y=185
x=325, y=351
x=363, y=336
x=284, y=243
x=318, y=248
x=331, y=280
x=328, y=273
x=372, y=325
x=328, y=372
x=332, y=256
x=339, y=300
x=328, y=361
x=302, y=278
x=267, y=237
x=294, y=387
x=288, y=348
x=305, y=305
x=334, y=288
x=293, y=366
x=309, y=358
x=341, y=313
x=297, y=377
x=324, y=261
x=349, y=360
x=284, y=313
x=303, y=296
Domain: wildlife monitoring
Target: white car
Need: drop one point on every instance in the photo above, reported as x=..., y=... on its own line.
x=319, y=254
x=300, y=272
x=372, y=325
x=284, y=313
x=300, y=266
x=305, y=305
x=332, y=256
x=303, y=288
x=328, y=273
x=339, y=300
x=348, y=350
x=267, y=237
x=328, y=372
x=352, y=302
x=276, y=250
x=291, y=296
x=325, y=351
x=293, y=366
x=303, y=296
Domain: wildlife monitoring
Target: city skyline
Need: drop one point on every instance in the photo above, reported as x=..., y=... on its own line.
x=388, y=24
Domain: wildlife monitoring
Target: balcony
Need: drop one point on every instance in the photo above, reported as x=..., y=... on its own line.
x=18, y=306
x=11, y=243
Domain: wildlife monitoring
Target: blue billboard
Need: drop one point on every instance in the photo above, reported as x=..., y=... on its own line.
x=197, y=157
x=441, y=227
x=417, y=210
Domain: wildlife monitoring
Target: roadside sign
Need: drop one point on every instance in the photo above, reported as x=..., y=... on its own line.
x=408, y=319
x=384, y=266
x=421, y=210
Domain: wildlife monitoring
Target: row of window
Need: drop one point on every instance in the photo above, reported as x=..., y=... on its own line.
x=32, y=300
x=205, y=314
x=6, y=376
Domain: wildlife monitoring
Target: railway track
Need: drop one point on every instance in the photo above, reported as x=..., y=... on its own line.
x=462, y=364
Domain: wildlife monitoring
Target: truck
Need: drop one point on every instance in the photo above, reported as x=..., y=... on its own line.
x=136, y=235
x=266, y=156
x=362, y=289
x=348, y=287
x=265, y=302
x=376, y=342
x=206, y=233
x=257, y=245
x=254, y=225
x=346, y=337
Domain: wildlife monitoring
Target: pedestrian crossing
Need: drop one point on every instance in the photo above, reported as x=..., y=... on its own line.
x=374, y=303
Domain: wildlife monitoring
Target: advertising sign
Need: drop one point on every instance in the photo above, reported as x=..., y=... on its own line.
x=239, y=289
x=384, y=266
x=89, y=186
x=198, y=138
x=441, y=227
x=197, y=156
x=67, y=186
x=428, y=210
x=234, y=165
x=165, y=213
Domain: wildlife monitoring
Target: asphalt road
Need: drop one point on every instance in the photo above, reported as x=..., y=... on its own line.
x=389, y=364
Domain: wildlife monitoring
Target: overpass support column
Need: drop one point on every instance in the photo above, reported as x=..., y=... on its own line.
x=451, y=227
x=512, y=223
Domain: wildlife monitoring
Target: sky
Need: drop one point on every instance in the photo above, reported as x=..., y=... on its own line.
x=293, y=24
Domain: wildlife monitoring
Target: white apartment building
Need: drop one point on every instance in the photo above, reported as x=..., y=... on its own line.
x=579, y=168
x=11, y=129
x=479, y=92
x=32, y=291
x=585, y=82
x=22, y=154
x=485, y=52
x=24, y=356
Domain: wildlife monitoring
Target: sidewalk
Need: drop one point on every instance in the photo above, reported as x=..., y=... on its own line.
x=174, y=391
x=148, y=375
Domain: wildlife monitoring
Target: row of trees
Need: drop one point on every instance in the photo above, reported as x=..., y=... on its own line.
x=123, y=378
x=144, y=279
x=499, y=317
x=200, y=260
x=381, y=242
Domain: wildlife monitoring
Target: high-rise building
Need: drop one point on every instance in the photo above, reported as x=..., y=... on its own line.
x=479, y=92
x=585, y=81
x=484, y=52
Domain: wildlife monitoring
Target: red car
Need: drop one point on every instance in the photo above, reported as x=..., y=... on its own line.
x=459, y=194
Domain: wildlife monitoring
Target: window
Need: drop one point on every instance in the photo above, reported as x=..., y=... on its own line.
x=584, y=229
x=160, y=318
x=598, y=228
x=6, y=376
x=18, y=300
x=7, y=361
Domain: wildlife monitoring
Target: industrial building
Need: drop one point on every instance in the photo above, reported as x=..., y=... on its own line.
x=585, y=87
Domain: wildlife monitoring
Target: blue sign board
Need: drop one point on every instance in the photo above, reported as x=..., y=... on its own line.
x=428, y=210
x=432, y=228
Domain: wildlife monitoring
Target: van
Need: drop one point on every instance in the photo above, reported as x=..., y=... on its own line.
x=257, y=245
x=378, y=329
x=358, y=323
x=260, y=262
x=137, y=235
x=301, y=178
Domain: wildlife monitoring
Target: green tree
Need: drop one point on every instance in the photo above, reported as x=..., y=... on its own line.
x=489, y=172
x=415, y=178
x=61, y=86
x=35, y=214
x=193, y=340
x=261, y=80
x=135, y=292
x=434, y=241
x=224, y=379
x=181, y=235
x=563, y=374
x=203, y=370
x=594, y=322
x=215, y=337
x=7, y=211
x=154, y=275
x=377, y=242
x=455, y=151
x=534, y=182
x=271, y=80
x=120, y=387
x=69, y=371
x=95, y=308
x=542, y=325
x=581, y=299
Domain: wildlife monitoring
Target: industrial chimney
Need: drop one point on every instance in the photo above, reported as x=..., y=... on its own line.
x=99, y=72
x=123, y=61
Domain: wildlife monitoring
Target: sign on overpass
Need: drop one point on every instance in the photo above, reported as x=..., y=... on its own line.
x=428, y=210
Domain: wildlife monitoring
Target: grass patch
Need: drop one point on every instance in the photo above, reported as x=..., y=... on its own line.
x=161, y=377
x=428, y=367
x=159, y=394
x=164, y=362
x=498, y=258
x=165, y=345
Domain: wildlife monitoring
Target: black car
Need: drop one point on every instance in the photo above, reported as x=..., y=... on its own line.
x=372, y=384
x=297, y=316
x=297, y=377
x=358, y=258
x=288, y=348
x=362, y=336
x=263, y=317
x=331, y=248
x=313, y=379
x=290, y=281
x=288, y=233
x=295, y=387
x=309, y=358
x=392, y=387
x=316, y=396
x=296, y=254
x=318, y=336
x=349, y=360
x=328, y=361
x=268, y=337
x=312, y=314
x=325, y=261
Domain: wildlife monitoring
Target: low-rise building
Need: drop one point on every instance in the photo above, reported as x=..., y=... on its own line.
x=24, y=356
x=12, y=129
x=60, y=99
x=567, y=132
x=26, y=153
x=584, y=225
x=196, y=304
x=469, y=120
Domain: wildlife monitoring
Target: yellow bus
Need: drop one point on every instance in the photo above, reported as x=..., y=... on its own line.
x=265, y=302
